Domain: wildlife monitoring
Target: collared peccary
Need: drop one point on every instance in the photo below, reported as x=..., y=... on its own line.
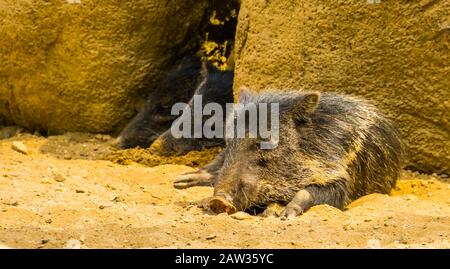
x=332, y=149
x=216, y=87
x=155, y=117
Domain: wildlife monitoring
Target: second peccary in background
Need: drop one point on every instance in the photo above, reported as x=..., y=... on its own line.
x=216, y=87
x=155, y=117
x=332, y=149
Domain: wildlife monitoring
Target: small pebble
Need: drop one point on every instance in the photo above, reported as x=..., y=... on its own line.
x=241, y=216
x=59, y=177
x=103, y=138
x=45, y=241
x=117, y=199
x=19, y=147
x=373, y=243
x=211, y=237
x=73, y=244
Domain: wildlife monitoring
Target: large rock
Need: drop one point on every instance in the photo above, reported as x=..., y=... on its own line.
x=395, y=53
x=78, y=65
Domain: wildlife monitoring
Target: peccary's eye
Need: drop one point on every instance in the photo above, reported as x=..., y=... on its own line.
x=302, y=121
x=163, y=118
x=166, y=106
x=254, y=147
x=162, y=109
x=261, y=162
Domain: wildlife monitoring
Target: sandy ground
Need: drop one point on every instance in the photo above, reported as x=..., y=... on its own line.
x=60, y=194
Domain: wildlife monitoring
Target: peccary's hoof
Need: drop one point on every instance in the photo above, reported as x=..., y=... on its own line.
x=219, y=205
x=291, y=211
x=197, y=178
x=184, y=182
x=273, y=210
x=157, y=147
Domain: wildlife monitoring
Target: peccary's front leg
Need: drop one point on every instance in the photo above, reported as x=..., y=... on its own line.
x=204, y=176
x=334, y=194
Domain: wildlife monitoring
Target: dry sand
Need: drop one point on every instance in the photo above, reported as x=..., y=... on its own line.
x=59, y=193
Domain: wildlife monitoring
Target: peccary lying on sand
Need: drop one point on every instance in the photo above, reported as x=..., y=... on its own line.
x=155, y=118
x=216, y=87
x=332, y=149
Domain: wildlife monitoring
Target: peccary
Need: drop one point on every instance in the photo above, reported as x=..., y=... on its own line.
x=216, y=87
x=155, y=117
x=332, y=149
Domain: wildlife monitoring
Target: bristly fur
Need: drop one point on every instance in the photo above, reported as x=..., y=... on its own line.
x=155, y=118
x=216, y=87
x=345, y=146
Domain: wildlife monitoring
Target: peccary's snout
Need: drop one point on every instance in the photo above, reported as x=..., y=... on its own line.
x=235, y=191
x=221, y=203
x=165, y=145
x=130, y=139
x=117, y=142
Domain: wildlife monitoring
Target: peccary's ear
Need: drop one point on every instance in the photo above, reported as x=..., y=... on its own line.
x=245, y=95
x=305, y=104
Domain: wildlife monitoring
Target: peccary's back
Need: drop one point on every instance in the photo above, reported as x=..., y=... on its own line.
x=351, y=133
